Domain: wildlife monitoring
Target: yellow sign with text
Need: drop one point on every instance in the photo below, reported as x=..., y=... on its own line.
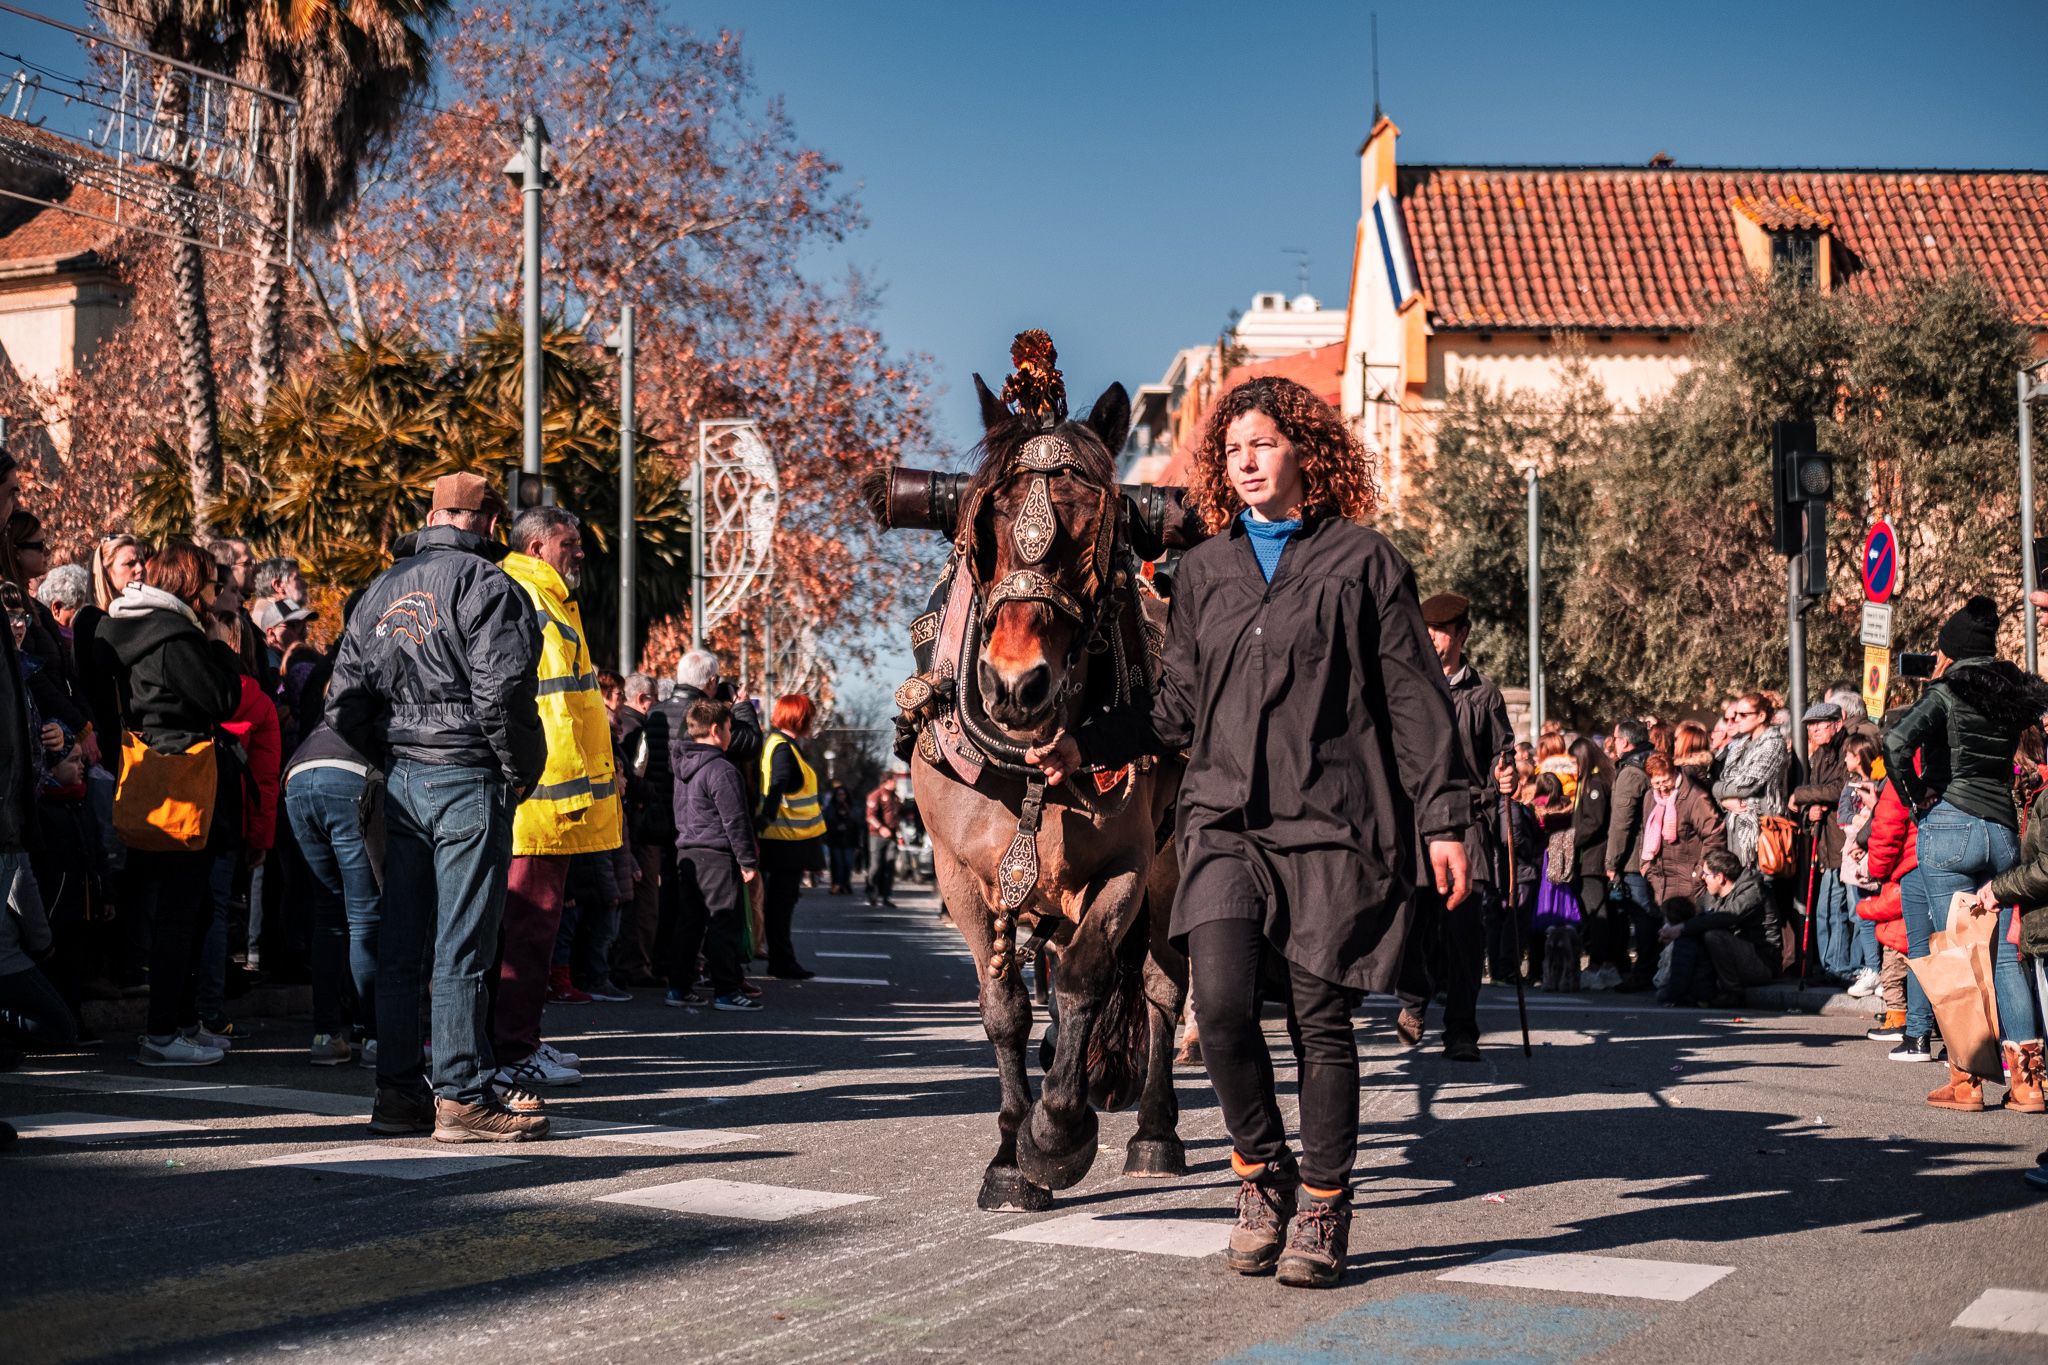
x=1877, y=679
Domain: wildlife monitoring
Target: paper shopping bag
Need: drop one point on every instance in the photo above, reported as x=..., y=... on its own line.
x=1956, y=975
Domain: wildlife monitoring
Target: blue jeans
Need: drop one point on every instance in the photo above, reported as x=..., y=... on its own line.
x=213, y=964
x=2010, y=984
x=1960, y=852
x=1834, y=922
x=325, y=809
x=1644, y=921
x=1867, y=953
x=448, y=850
x=1919, y=922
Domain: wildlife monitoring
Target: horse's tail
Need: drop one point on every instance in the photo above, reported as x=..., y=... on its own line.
x=1119, y=1047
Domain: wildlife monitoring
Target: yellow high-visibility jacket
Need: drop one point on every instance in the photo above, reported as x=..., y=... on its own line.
x=801, y=815
x=576, y=807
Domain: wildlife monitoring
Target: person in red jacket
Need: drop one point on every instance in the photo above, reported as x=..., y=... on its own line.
x=1894, y=855
x=255, y=732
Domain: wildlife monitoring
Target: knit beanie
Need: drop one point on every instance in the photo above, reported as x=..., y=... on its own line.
x=1971, y=633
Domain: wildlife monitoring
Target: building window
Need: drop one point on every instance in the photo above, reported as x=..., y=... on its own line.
x=1796, y=254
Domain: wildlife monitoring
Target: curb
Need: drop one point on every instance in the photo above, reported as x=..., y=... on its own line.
x=1791, y=998
x=111, y=1017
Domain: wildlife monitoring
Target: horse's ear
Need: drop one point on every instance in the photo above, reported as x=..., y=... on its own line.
x=1110, y=418
x=992, y=410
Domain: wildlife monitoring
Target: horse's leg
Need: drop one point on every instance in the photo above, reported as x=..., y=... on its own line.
x=1006, y=1014
x=1056, y=1143
x=1155, y=1150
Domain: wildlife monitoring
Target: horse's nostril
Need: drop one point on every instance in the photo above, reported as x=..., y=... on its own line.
x=1034, y=687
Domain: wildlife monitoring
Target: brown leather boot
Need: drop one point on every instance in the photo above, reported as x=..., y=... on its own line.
x=2023, y=1064
x=1963, y=1091
x=486, y=1122
x=1265, y=1205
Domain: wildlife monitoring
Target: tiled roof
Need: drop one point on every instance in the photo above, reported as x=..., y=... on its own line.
x=1656, y=248
x=1320, y=371
x=33, y=232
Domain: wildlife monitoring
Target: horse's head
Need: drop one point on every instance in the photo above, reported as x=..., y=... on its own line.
x=1039, y=521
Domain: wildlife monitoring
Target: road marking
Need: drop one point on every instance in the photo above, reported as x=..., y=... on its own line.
x=848, y=981
x=1189, y=1237
x=91, y=1128
x=397, y=1163
x=2007, y=1310
x=324, y=1102
x=649, y=1134
x=1618, y=1276
x=874, y=957
x=735, y=1199
x=1410, y=1329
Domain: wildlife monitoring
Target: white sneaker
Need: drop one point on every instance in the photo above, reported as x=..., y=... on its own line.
x=505, y=1088
x=205, y=1037
x=1864, y=985
x=368, y=1057
x=177, y=1051
x=538, y=1070
x=330, y=1049
x=561, y=1058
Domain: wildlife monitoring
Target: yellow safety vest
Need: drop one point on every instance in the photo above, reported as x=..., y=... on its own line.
x=801, y=815
x=576, y=807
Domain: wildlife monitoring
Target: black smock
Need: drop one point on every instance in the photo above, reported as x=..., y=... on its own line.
x=1321, y=742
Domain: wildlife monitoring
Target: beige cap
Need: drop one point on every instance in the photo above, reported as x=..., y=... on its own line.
x=466, y=492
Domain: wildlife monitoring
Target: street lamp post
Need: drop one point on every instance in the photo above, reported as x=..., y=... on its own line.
x=2029, y=391
x=1535, y=603
x=621, y=341
x=528, y=169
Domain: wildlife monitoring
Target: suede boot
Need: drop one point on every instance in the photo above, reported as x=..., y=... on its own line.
x=1963, y=1091
x=2023, y=1064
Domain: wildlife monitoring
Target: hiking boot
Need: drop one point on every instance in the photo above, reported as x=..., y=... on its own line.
x=399, y=1112
x=486, y=1122
x=1318, y=1240
x=1963, y=1091
x=1891, y=1027
x=1265, y=1204
x=1408, y=1026
x=2023, y=1078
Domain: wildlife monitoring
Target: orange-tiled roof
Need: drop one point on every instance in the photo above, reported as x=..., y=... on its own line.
x=1320, y=371
x=1656, y=248
x=34, y=232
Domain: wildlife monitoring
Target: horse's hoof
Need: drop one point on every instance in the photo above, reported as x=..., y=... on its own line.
x=1155, y=1158
x=1056, y=1170
x=1004, y=1189
x=1048, y=1046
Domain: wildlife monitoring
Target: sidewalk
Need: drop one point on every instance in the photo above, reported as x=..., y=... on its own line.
x=1788, y=996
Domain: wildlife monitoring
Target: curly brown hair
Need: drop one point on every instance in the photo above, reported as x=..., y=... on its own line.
x=1336, y=473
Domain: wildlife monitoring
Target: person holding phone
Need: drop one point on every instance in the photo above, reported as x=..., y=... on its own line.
x=1324, y=785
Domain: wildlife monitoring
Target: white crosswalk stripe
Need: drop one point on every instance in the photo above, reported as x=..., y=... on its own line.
x=735, y=1199
x=94, y=1128
x=1615, y=1276
x=2007, y=1310
x=1162, y=1236
x=393, y=1162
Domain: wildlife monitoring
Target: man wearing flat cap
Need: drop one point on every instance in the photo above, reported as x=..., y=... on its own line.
x=1446, y=949
x=436, y=683
x=1813, y=804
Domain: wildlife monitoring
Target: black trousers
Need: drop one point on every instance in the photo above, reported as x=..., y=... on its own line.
x=783, y=865
x=180, y=915
x=1446, y=951
x=701, y=908
x=1228, y=958
x=881, y=865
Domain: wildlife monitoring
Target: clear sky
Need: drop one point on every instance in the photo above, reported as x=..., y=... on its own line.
x=1126, y=174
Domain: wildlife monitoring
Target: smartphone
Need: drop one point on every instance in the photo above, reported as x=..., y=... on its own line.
x=1916, y=667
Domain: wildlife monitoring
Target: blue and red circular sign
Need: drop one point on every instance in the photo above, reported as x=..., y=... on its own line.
x=1880, y=562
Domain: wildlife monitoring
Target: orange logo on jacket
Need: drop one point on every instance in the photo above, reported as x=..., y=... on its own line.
x=412, y=617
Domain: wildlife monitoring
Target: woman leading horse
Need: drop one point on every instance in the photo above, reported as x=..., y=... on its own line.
x=1300, y=681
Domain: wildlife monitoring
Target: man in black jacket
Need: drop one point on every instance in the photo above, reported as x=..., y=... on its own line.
x=1447, y=948
x=435, y=681
x=1730, y=945
x=1814, y=802
x=1628, y=890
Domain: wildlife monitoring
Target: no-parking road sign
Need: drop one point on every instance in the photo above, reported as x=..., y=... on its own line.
x=1880, y=562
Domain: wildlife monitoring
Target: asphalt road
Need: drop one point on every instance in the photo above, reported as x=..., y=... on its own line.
x=1653, y=1185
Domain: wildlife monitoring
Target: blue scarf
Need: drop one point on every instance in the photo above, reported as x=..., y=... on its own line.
x=1268, y=539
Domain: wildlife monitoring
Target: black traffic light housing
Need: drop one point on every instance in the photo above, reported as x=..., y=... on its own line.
x=1803, y=482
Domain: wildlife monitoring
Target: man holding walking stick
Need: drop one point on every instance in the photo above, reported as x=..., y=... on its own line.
x=1446, y=947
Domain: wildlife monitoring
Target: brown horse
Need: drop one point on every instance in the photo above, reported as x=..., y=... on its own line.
x=1054, y=629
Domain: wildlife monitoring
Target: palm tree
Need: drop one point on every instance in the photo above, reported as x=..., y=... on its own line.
x=353, y=66
x=200, y=32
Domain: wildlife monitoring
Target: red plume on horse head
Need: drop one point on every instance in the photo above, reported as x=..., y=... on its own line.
x=1035, y=390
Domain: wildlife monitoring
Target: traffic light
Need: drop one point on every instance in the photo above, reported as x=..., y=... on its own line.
x=1803, y=482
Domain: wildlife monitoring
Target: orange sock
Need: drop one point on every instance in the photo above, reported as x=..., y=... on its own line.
x=1246, y=1170
x=1322, y=1194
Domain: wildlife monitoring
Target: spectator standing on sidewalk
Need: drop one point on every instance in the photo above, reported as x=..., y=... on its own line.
x=1628, y=890
x=884, y=811
x=435, y=682
x=1751, y=778
x=1815, y=803
x=650, y=831
x=334, y=797
x=715, y=854
x=1964, y=732
x=791, y=821
x=843, y=829
x=574, y=809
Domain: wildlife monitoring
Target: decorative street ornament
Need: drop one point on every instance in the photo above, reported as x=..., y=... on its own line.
x=738, y=498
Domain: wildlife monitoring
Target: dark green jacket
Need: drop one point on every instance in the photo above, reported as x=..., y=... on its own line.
x=2026, y=883
x=1966, y=730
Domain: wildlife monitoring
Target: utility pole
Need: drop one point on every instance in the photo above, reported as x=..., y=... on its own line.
x=621, y=340
x=697, y=525
x=528, y=170
x=1795, y=634
x=1535, y=603
x=2029, y=391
